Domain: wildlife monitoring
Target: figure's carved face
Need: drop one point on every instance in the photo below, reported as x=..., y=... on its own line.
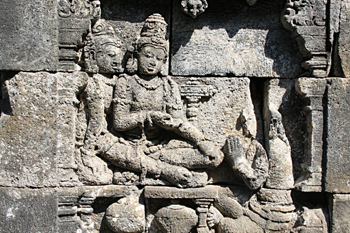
x=151, y=60
x=109, y=59
x=194, y=7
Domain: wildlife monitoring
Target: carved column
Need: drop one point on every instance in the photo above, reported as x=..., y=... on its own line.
x=202, y=209
x=307, y=21
x=312, y=90
x=74, y=21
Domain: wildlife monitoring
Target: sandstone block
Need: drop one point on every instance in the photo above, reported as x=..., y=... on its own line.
x=222, y=41
x=28, y=35
x=28, y=210
x=338, y=156
x=28, y=137
x=340, y=212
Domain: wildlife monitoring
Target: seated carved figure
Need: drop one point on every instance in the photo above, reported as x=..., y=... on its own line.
x=102, y=57
x=270, y=208
x=151, y=134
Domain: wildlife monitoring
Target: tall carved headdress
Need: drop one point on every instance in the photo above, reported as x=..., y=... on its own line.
x=153, y=33
x=101, y=34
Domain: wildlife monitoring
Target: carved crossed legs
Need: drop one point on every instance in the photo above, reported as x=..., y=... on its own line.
x=123, y=154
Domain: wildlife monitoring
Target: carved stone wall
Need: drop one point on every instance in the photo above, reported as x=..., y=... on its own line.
x=175, y=116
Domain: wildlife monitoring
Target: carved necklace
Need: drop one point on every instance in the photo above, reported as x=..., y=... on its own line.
x=149, y=84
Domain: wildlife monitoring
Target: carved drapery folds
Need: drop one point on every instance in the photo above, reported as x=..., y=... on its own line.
x=307, y=21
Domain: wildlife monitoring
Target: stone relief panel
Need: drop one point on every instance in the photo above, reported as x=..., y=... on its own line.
x=147, y=119
x=136, y=125
x=195, y=134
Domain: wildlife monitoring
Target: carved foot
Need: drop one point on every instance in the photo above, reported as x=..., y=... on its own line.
x=179, y=176
x=214, y=154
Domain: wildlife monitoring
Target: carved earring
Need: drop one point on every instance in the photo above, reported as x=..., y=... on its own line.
x=131, y=65
x=91, y=64
x=164, y=70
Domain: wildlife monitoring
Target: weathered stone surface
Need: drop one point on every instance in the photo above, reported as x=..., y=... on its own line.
x=28, y=35
x=307, y=21
x=313, y=91
x=126, y=215
x=28, y=210
x=277, y=144
x=338, y=142
x=130, y=148
x=344, y=40
x=340, y=213
x=176, y=193
x=232, y=39
x=28, y=138
x=37, y=136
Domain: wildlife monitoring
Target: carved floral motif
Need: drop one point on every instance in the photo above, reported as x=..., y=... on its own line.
x=79, y=8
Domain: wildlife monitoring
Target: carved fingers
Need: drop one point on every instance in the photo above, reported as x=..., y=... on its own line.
x=165, y=120
x=234, y=150
x=213, y=217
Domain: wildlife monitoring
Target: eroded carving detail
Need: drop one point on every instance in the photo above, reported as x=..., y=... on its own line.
x=194, y=7
x=75, y=18
x=307, y=21
x=79, y=8
x=194, y=91
x=102, y=52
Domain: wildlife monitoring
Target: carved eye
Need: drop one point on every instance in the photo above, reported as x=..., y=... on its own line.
x=111, y=54
x=148, y=55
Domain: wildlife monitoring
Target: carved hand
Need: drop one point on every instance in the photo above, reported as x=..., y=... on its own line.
x=214, y=217
x=235, y=150
x=165, y=120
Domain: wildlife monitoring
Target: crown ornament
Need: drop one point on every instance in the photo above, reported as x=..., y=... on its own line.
x=153, y=33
